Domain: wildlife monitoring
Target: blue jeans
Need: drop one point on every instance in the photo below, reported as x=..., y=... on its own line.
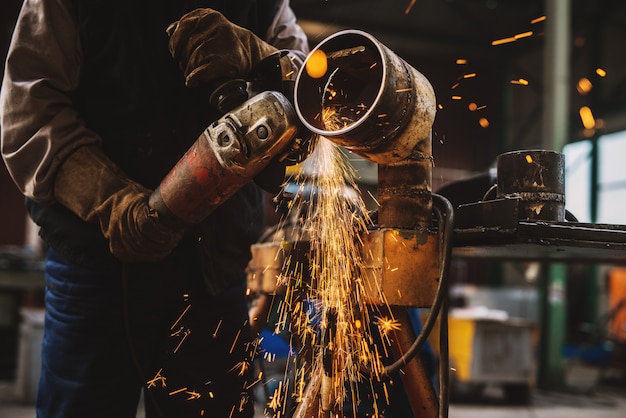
x=110, y=332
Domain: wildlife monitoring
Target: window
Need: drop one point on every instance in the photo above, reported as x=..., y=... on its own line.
x=608, y=198
x=577, y=179
x=612, y=178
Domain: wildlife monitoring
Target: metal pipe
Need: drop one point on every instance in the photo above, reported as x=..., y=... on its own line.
x=556, y=75
x=537, y=178
x=383, y=108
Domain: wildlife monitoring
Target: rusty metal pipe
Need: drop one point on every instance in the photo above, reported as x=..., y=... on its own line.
x=537, y=178
x=404, y=190
x=386, y=108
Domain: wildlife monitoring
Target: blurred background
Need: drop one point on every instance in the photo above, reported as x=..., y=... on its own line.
x=508, y=75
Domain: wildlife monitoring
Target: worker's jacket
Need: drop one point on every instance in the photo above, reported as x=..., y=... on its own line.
x=83, y=72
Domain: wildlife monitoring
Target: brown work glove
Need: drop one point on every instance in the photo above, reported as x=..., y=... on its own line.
x=209, y=47
x=97, y=190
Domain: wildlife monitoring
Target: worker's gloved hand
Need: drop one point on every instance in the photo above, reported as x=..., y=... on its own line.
x=96, y=190
x=209, y=47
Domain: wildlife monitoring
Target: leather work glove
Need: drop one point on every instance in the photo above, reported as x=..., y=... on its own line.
x=209, y=47
x=95, y=189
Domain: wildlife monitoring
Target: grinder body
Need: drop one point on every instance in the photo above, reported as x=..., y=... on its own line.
x=226, y=156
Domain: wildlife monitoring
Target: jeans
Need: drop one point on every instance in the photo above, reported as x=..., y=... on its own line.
x=110, y=332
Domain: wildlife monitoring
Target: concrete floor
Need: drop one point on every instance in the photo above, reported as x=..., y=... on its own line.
x=588, y=397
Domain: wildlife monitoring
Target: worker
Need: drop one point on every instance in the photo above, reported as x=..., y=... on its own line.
x=99, y=101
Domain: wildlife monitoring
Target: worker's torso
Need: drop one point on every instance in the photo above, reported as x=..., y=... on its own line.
x=132, y=93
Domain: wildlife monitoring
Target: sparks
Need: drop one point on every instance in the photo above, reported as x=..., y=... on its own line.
x=185, y=335
x=386, y=325
x=520, y=81
x=503, y=41
x=584, y=86
x=177, y=391
x=317, y=64
x=157, y=378
x=180, y=317
x=586, y=116
x=241, y=367
x=523, y=35
x=537, y=20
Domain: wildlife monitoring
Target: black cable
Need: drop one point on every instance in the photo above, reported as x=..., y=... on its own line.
x=444, y=358
x=444, y=361
x=490, y=194
x=445, y=215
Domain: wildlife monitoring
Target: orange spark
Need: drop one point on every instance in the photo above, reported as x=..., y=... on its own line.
x=219, y=324
x=483, y=122
x=461, y=61
x=456, y=97
x=520, y=81
x=584, y=86
x=600, y=72
x=232, y=347
x=409, y=7
x=177, y=391
x=470, y=75
x=185, y=335
x=538, y=19
x=586, y=116
x=158, y=377
x=503, y=41
x=180, y=317
x=524, y=35
x=386, y=325
x=242, y=366
x=192, y=395
x=317, y=64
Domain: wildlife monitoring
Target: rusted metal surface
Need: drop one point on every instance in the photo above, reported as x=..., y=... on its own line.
x=537, y=178
x=404, y=192
x=309, y=407
x=421, y=394
x=495, y=229
x=388, y=106
x=402, y=267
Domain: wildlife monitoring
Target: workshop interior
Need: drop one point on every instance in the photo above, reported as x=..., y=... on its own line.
x=487, y=140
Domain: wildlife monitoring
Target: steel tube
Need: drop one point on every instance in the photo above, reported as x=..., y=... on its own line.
x=384, y=107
